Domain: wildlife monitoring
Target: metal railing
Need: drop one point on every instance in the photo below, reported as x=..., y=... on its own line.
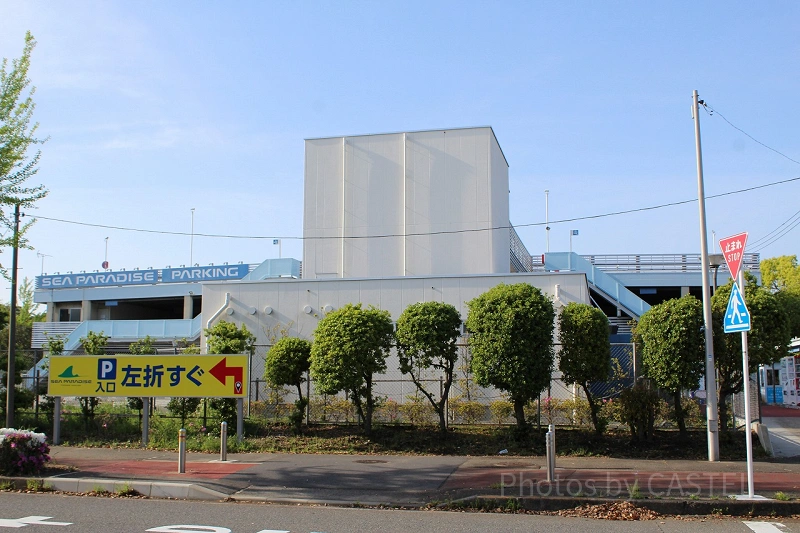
x=661, y=262
x=520, y=257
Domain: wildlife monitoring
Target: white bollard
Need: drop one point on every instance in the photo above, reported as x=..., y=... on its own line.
x=551, y=452
x=223, y=439
x=182, y=451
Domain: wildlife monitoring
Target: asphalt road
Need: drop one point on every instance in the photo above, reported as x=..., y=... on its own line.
x=56, y=513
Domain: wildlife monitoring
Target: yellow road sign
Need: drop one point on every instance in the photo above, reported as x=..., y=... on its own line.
x=205, y=376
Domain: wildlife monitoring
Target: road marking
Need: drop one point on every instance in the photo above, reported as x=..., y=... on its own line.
x=766, y=527
x=189, y=529
x=30, y=520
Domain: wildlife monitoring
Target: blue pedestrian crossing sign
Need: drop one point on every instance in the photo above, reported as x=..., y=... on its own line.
x=737, y=317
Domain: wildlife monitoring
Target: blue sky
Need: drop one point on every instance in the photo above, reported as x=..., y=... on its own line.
x=153, y=108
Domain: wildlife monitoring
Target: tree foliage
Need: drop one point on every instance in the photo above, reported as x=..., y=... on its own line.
x=511, y=338
x=27, y=314
x=426, y=340
x=226, y=338
x=17, y=135
x=286, y=364
x=142, y=347
x=93, y=344
x=350, y=346
x=781, y=276
x=585, y=355
x=767, y=340
x=672, y=343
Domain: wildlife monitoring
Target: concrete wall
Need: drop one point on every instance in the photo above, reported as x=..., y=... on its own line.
x=299, y=304
x=406, y=204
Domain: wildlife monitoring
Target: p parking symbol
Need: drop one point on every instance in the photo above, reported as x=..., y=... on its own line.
x=107, y=369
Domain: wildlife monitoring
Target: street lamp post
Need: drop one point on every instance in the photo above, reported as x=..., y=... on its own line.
x=191, y=242
x=40, y=254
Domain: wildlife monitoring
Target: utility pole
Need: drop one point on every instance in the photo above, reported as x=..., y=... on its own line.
x=12, y=325
x=547, y=219
x=712, y=415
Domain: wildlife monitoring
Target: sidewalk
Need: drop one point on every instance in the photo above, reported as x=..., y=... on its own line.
x=408, y=480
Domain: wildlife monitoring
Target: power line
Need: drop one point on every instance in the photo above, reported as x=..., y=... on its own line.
x=419, y=234
x=713, y=111
x=768, y=235
x=777, y=237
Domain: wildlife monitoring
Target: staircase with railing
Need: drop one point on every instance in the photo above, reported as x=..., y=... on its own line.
x=601, y=282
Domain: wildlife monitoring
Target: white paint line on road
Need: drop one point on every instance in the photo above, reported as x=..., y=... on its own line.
x=30, y=520
x=766, y=527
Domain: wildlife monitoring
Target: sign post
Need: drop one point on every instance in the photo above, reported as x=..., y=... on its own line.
x=737, y=319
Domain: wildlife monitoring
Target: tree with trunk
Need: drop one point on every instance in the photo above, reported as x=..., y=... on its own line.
x=767, y=340
x=286, y=364
x=93, y=344
x=672, y=343
x=17, y=135
x=350, y=346
x=225, y=338
x=511, y=338
x=140, y=347
x=585, y=355
x=426, y=340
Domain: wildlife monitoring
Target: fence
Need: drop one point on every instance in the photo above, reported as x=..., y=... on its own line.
x=399, y=400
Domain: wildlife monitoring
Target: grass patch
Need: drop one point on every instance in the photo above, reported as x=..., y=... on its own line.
x=782, y=496
x=391, y=439
x=127, y=490
x=36, y=485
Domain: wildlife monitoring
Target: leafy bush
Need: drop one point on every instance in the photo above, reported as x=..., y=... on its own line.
x=22, y=452
x=467, y=411
x=640, y=405
x=501, y=411
x=183, y=407
x=552, y=409
x=388, y=411
x=417, y=410
x=578, y=412
x=331, y=408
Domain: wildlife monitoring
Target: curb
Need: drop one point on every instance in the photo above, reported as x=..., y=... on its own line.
x=151, y=489
x=726, y=507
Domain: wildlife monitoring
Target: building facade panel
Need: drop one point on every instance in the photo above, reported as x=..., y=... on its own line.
x=409, y=204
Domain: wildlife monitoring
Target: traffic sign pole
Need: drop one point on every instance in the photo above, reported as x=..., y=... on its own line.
x=746, y=381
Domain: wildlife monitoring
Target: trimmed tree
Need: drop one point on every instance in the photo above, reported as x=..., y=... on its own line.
x=93, y=344
x=511, y=338
x=767, y=340
x=286, y=364
x=585, y=351
x=350, y=345
x=672, y=340
x=225, y=338
x=426, y=339
x=141, y=347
